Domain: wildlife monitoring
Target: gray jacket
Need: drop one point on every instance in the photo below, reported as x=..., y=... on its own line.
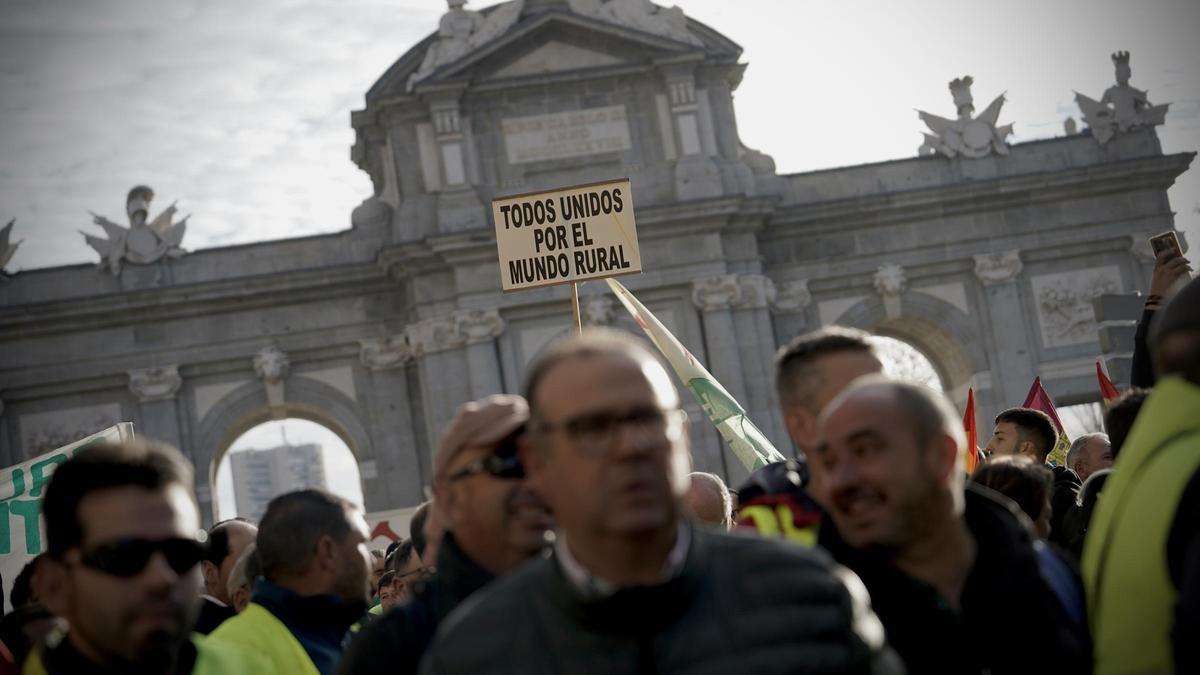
x=739, y=605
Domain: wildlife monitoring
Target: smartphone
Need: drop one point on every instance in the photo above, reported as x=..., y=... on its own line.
x=1164, y=241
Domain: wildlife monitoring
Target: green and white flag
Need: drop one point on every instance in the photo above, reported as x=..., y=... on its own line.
x=749, y=444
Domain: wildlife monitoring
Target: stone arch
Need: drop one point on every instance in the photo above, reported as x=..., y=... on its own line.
x=942, y=332
x=246, y=407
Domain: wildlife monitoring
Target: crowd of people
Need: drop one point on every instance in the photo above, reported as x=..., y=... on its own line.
x=567, y=533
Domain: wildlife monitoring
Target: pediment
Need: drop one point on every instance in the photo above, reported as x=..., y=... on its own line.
x=555, y=56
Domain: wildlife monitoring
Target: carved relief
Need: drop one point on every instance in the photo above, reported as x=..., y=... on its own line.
x=41, y=432
x=155, y=384
x=434, y=335
x=1064, y=304
x=890, y=283
x=385, y=352
x=732, y=291
x=598, y=310
x=792, y=296
x=271, y=365
x=998, y=267
x=478, y=325
x=142, y=242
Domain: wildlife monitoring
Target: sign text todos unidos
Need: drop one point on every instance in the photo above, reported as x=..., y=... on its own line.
x=572, y=234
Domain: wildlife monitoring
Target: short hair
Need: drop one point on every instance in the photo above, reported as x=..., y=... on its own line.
x=1180, y=316
x=397, y=558
x=795, y=377
x=217, y=548
x=386, y=579
x=246, y=570
x=141, y=463
x=928, y=410
x=1121, y=415
x=591, y=343
x=378, y=554
x=1032, y=425
x=416, y=527
x=1075, y=452
x=292, y=526
x=22, y=588
x=1020, y=479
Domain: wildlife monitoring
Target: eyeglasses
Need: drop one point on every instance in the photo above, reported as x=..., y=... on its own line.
x=597, y=433
x=500, y=467
x=128, y=557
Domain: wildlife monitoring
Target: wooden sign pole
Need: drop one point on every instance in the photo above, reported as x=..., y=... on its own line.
x=575, y=308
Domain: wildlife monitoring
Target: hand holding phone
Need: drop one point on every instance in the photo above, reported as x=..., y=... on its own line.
x=1171, y=269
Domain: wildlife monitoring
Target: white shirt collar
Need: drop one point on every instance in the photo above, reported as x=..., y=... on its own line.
x=213, y=600
x=592, y=586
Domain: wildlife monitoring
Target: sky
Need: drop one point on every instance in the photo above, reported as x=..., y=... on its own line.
x=240, y=111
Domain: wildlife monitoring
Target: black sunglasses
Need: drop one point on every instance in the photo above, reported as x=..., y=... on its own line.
x=501, y=467
x=128, y=557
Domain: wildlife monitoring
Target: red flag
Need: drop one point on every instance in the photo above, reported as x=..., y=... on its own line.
x=1038, y=399
x=1108, y=391
x=972, y=435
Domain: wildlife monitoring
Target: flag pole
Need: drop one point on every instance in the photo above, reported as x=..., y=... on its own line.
x=575, y=307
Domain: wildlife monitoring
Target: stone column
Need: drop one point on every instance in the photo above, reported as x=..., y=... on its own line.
x=715, y=298
x=696, y=175
x=392, y=478
x=480, y=328
x=1014, y=367
x=442, y=368
x=458, y=206
x=155, y=389
x=792, y=299
x=756, y=343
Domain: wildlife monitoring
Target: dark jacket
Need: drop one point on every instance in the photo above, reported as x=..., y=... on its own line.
x=211, y=615
x=318, y=622
x=1010, y=621
x=738, y=605
x=396, y=641
x=1066, y=491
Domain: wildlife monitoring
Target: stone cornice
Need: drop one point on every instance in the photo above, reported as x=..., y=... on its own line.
x=976, y=196
x=181, y=301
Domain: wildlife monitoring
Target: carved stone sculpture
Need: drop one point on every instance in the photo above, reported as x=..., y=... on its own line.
x=642, y=15
x=6, y=249
x=461, y=31
x=478, y=325
x=1122, y=108
x=385, y=352
x=155, y=384
x=733, y=291
x=271, y=366
x=792, y=296
x=998, y=267
x=890, y=283
x=967, y=135
x=434, y=335
x=598, y=310
x=142, y=242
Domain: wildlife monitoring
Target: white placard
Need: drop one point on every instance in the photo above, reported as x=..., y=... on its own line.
x=570, y=234
x=577, y=133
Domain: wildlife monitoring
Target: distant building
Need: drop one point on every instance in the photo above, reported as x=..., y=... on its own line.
x=261, y=475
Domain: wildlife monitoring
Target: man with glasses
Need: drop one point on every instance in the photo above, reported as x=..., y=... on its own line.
x=124, y=567
x=494, y=522
x=631, y=585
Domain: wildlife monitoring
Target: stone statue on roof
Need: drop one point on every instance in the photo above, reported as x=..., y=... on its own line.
x=967, y=135
x=142, y=242
x=6, y=249
x=1122, y=109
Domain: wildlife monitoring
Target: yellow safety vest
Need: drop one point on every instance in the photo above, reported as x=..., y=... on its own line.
x=257, y=629
x=211, y=659
x=1130, y=594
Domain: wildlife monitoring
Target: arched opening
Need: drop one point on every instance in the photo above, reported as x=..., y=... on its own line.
x=280, y=456
x=902, y=361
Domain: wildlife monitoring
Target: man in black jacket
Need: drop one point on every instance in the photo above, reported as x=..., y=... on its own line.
x=493, y=520
x=226, y=542
x=951, y=572
x=631, y=586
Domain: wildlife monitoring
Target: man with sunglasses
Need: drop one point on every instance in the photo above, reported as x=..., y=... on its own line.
x=124, y=567
x=494, y=522
x=631, y=585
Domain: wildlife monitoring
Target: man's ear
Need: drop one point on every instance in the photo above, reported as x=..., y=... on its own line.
x=327, y=553
x=801, y=425
x=52, y=586
x=212, y=575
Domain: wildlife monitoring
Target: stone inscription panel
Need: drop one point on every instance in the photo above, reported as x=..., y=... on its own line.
x=578, y=133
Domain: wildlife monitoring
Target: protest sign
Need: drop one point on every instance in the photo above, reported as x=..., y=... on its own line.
x=22, y=487
x=566, y=235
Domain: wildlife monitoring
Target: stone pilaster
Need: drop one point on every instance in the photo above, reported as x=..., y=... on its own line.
x=479, y=329
x=1013, y=368
x=397, y=475
x=445, y=377
x=156, y=389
